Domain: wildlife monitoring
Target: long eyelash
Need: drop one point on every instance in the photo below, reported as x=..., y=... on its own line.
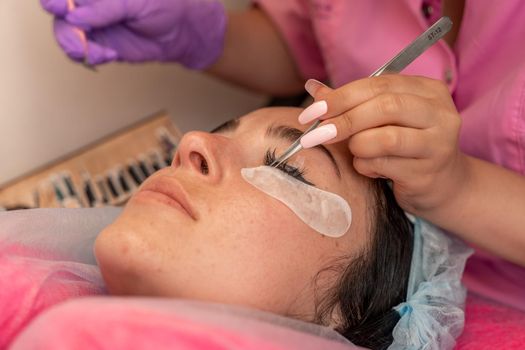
x=297, y=173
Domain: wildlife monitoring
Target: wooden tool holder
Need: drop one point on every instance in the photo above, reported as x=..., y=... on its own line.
x=105, y=173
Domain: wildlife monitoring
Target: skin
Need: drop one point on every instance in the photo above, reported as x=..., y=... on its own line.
x=243, y=247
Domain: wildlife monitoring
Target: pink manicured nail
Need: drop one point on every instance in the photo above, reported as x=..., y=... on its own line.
x=312, y=86
x=317, y=136
x=314, y=111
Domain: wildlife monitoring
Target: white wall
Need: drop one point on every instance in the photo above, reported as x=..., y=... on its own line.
x=50, y=106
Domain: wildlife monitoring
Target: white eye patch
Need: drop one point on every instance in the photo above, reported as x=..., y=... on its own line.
x=325, y=212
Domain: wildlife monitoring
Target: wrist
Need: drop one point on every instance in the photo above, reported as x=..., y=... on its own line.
x=451, y=193
x=204, y=35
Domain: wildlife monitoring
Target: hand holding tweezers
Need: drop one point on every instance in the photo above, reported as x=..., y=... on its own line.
x=428, y=38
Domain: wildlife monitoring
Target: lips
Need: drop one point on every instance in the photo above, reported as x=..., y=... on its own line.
x=172, y=189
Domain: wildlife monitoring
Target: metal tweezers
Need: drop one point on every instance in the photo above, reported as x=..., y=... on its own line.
x=428, y=38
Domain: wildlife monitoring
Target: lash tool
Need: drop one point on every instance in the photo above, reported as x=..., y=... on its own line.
x=428, y=38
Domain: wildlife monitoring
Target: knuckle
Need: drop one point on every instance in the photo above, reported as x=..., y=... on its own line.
x=391, y=141
x=380, y=164
x=390, y=103
x=345, y=121
x=380, y=85
x=340, y=94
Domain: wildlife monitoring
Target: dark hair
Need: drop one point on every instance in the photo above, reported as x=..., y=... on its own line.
x=369, y=285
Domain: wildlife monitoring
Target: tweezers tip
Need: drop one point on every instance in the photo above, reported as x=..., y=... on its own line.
x=90, y=67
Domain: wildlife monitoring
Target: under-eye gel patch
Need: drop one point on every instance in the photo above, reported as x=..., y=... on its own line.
x=325, y=212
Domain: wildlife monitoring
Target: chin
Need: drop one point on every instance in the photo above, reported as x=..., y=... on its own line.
x=116, y=254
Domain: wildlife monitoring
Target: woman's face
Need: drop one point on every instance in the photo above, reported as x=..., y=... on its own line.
x=198, y=230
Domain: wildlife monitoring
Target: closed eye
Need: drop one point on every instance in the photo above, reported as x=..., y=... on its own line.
x=292, y=171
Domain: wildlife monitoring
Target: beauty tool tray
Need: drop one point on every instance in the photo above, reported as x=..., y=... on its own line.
x=104, y=173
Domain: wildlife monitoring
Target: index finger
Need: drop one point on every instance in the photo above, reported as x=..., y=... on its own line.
x=333, y=102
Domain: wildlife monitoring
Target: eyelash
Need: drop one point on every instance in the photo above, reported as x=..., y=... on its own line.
x=294, y=172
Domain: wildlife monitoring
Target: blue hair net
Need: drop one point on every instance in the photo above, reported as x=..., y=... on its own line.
x=432, y=316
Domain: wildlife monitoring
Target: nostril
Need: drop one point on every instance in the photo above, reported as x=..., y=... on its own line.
x=204, y=167
x=199, y=163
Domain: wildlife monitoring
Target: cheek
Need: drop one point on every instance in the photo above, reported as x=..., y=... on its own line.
x=259, y=226
x=136, y=251
x=263, y=237
x=261, y=255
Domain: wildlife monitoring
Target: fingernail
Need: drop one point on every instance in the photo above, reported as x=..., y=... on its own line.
x=314, y=111
x=312, y=86
x=317, y=136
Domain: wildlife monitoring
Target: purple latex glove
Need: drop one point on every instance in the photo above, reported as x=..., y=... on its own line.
x=190, y=32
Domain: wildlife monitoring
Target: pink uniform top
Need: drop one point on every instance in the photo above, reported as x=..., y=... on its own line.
x=342, y=40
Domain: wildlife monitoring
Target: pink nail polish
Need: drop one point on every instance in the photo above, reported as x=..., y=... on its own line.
x=317, y=136
x=314, y=111
x=312, y=86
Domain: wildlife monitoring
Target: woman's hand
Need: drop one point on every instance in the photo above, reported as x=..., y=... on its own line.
x=404, y=128
x=190, y=32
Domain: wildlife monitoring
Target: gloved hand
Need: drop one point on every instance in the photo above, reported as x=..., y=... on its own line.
x=190, y=32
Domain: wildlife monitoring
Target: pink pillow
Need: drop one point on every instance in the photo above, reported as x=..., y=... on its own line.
x=490, y=325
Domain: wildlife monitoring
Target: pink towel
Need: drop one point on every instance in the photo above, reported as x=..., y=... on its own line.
x=156, y=323
x=31, y=281
x=490, y=325
x=43, y=305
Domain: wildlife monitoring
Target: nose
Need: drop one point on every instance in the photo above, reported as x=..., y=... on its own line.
x=201, y=154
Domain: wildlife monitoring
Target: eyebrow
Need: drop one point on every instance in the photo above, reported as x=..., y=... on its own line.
x=292, y=134
x=230, y=125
